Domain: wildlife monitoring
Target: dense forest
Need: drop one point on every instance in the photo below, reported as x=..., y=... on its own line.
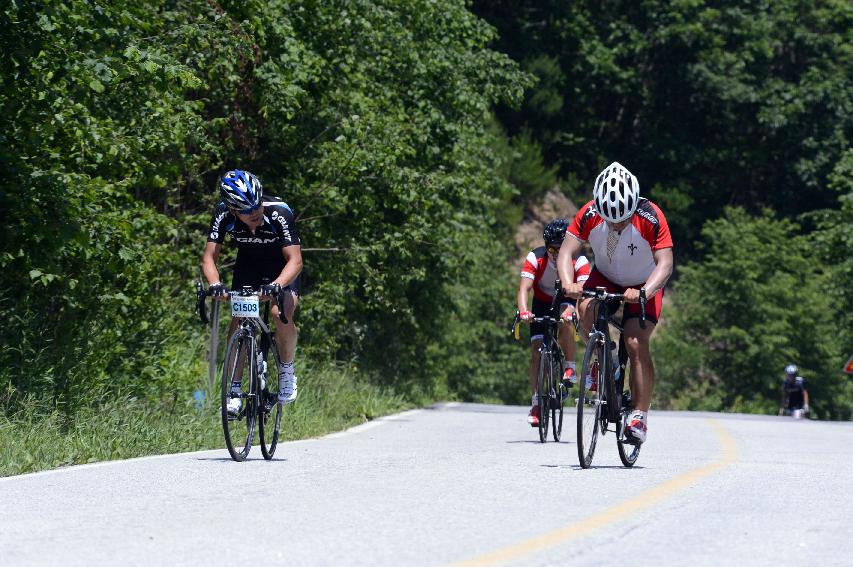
x=410, y=136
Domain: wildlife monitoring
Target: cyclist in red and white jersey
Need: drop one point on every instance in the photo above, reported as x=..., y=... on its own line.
x=539, y=274
x=633, y=251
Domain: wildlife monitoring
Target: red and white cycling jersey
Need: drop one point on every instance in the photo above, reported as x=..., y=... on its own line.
x=543, y=272
x=632, y=256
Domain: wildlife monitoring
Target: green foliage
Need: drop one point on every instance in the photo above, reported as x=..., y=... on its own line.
x=371, y=119
x=756, y=303
x=710, y=104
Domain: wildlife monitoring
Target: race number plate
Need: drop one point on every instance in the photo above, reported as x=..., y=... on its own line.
x=245, y=306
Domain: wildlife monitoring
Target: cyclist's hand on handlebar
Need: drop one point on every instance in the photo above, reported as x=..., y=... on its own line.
x=217, y=290
x=632, y=295
x=525, y=316
x=573, y=290
x=271, y=290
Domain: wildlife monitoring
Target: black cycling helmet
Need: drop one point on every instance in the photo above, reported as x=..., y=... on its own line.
x=555, y=232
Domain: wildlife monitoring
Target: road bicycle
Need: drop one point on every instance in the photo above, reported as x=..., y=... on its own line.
x=251, y=350
x=602, y=399
x=549, y=385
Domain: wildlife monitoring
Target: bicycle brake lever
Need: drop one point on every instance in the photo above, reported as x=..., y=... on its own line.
x=642, y=308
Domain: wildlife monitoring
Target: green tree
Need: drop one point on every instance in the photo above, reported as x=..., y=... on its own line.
x=757, y=302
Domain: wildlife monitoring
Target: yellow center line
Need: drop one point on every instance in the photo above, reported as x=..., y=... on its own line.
x=617, y=512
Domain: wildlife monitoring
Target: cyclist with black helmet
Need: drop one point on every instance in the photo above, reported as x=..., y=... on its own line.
x=268, y=249
x=539, y=274
x=630, y=238
x=795, y=397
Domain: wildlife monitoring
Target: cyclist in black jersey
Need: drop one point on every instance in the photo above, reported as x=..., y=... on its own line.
x=268, y=248
x=795, y=397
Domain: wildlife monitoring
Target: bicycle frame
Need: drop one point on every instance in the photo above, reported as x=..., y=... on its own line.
x=600, y=334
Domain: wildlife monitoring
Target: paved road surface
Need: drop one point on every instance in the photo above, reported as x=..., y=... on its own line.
x=457, y=484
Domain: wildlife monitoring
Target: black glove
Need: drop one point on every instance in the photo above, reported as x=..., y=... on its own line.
x=271, y=289
x=216, y=290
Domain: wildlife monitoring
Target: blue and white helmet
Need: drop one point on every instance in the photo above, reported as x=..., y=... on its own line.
x=240, y=190
x=616, y=193
x=791, y=369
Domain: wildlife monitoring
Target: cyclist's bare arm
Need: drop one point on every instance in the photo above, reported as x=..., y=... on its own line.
x=293, y=264
x=524, y=288
x=657, y=279
x=208, y=262
x=566, y=267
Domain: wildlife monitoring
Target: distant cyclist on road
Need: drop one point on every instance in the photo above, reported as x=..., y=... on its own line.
x=539, y=274
x=795, y=397
x=268, y=248
x=630, y=238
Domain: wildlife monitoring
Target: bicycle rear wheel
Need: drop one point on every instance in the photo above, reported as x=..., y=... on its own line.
x=557, y=391
x=628, y=451
x=590, y=407
x=239, y=430
x=269, y=424
x=544, y=396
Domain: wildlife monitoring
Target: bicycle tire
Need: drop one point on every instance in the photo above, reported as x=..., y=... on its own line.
x=557, y=388
x=544, y=397
x=269, y=424
x=628, y=452
x=590, y=407
x=239, y=431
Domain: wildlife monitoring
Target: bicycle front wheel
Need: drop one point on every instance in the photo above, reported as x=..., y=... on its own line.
x=269, y=424
x=558, y=391
x=590, y=405
x=238, y=378
x=544, y=396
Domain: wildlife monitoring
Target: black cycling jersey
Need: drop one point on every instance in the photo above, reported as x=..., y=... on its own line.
x=259, y=255
x=793, y=392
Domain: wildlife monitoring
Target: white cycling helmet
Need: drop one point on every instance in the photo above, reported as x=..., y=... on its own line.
x=616, y=193
x=791, y=369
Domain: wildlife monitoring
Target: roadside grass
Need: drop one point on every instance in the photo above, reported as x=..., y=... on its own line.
x=331, y=397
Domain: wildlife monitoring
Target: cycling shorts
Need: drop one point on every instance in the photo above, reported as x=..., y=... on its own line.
x=541, y=309
x=256, y=274
x=653, y=305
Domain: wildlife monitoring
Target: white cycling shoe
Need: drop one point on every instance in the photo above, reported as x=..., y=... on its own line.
x=234, y=406
x=287, y=388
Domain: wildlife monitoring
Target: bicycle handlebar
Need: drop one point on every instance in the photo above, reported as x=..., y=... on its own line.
x=601, y=294
x=202, y=294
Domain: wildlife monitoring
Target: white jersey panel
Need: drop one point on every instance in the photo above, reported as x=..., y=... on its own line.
x=632, y=261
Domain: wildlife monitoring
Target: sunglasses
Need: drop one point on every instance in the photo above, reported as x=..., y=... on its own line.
x=553, y=250
x=250, y=210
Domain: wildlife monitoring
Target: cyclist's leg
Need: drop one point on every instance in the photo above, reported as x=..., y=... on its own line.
x=637, y=342
x=535, y=345
x=642, y=368
x=285, y=338
x=567, y=332
x=286, y=334
x=567, y=339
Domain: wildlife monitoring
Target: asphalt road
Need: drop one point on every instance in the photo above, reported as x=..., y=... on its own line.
x=456, y=484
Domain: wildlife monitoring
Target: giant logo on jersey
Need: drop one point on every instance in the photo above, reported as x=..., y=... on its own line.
x=285, y=228
x=254, y=240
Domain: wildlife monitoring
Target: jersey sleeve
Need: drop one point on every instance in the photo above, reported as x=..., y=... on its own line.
x=664, y=238
x=579, y=228
x=528, y=270
x=219, y=224
x=285, y=223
